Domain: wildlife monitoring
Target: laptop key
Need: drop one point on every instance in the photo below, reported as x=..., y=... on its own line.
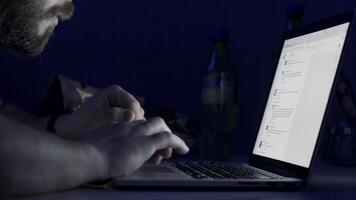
x=214, y=170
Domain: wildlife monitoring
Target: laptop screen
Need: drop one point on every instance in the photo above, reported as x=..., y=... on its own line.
x=299, y=95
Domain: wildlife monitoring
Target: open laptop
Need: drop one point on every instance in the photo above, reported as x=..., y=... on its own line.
x=293, y=120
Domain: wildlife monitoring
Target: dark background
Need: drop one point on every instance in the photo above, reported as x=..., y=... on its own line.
x=159, y=48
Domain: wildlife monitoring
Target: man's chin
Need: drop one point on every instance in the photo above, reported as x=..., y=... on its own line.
x=30, y=53
x=33, y=53
x=37, y=48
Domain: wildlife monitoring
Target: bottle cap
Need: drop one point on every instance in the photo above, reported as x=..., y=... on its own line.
x=295, y=11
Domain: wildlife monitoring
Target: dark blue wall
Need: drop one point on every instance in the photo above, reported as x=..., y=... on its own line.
x=158, y=49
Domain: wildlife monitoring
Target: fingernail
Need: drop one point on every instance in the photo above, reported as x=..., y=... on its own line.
x=128, y=116
x=159, y=160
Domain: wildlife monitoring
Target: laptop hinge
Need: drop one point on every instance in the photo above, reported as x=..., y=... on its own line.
x=275, y=170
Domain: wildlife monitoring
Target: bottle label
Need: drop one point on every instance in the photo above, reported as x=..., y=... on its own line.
x=217, y=92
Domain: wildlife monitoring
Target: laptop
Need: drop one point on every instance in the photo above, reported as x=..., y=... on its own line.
x=291, y=125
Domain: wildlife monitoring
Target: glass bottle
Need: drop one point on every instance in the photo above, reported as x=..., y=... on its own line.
x=218, y=99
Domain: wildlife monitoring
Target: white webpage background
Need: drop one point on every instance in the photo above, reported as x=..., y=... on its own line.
x=299, y=96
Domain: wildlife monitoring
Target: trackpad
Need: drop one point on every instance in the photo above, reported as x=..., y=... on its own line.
x=155, y=169
x=156, y=172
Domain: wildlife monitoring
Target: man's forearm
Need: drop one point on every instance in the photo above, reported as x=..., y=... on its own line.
x=34, y=162
x=63, y=130
x=24, y=117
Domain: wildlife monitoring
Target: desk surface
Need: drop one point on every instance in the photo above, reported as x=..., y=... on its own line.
x=328, y=182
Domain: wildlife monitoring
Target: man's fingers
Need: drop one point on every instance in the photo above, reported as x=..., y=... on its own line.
x=159, y=155
x=120, y=115
x=167, y=153
x=152, y=126
x=165, y=140
x=156, y=158
x=141, y=116
x=118, y=97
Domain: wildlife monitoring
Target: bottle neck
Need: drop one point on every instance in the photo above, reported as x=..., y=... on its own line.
x=220, y=57
x=294, y=23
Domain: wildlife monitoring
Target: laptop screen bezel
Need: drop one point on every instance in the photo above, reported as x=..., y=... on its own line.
x=288, y=169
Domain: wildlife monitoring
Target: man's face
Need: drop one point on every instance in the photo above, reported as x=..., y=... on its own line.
x=26, y=25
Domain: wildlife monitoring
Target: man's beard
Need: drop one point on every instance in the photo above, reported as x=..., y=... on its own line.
x=19, y=24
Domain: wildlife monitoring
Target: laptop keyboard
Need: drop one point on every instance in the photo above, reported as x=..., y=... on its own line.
x=219, y=170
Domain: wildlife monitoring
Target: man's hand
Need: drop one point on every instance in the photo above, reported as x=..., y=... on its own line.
x=126, y=146
x=113, y=104
x=57, y=164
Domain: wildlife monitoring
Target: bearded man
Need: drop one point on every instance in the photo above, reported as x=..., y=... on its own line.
x=106, y=137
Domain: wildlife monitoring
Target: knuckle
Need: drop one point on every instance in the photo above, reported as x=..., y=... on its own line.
x=170, y=135
x=134, y=104
x=165, y=137
x=143, y=113
x=159, y=120
x=115, y=88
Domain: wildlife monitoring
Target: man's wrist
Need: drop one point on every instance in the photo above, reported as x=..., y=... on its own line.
x=96, y=163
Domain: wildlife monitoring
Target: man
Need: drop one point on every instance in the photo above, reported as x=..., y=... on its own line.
x=109, y=135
